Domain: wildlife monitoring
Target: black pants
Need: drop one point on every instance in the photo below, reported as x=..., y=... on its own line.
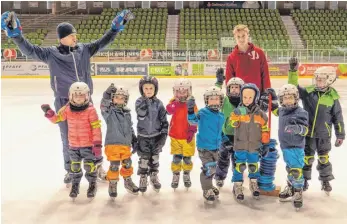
x=225, y=154
x=149, y=155
x=324, y=166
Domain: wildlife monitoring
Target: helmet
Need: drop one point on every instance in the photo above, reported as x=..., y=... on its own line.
x=77, y=89
x=288, y=89
x=327, y=72
x=214, y=91
x=123, y=92
x=255, y=88
x=234, y=81
x=182, y=84
x=150, y=80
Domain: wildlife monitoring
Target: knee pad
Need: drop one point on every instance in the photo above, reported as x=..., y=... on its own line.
x=296, y=173
x=75, y=167
x=240, y=167
x=89, y=166
x=177, y=159
x=114, y=166
x=253, y=167
x=187, y=160
x=143, y=163
x=155, y=159
x=127, y=163
x=323, y=159
x=210, y=169
x=309, y=160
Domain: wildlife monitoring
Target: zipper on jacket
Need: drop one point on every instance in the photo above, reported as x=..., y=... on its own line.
x=55, y=83
x=315, y=114
x=326, y=125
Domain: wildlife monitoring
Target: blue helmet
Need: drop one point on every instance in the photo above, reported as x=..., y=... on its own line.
x=255, y=88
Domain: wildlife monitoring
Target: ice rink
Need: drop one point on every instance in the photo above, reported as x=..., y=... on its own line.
x=32, y=172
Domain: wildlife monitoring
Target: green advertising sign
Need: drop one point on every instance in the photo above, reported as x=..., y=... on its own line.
x=165, y=69
x=198, y=69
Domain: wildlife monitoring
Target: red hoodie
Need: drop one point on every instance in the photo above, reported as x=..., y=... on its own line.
x=251, y=66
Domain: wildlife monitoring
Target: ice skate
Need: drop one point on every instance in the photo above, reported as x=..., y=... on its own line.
x=112, y=189
x=220, y=184
x=253, y=187
x=305, y=185
x=67, y=180
x=326, y=187
x=91, y=192
x=287, y=193
x=297, y=199
x=175, y=180
x=130, y=186
x=143, y=183
x=209, y=196
x=237, y=191
x=75, y=190
x=216, y=192
x=154, y=180
x=101, y=173
x=186, y=180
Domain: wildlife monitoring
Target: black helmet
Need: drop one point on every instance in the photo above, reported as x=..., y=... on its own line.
x=150, y=80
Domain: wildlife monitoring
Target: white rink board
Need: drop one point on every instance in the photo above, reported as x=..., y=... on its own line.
x=32, y=172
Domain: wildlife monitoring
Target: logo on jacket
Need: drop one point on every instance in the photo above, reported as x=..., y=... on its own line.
x=254, y=55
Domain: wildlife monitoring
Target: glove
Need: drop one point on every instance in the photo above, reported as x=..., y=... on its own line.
x=108, y=93
x=191, y=105
x=293, y=64
x=226, y=142
x=171, y=108
x=264, y=150
x=97, y=149
x=48, y=111
x=135, y=146
x=10, y=24
x=191, y=131
x=264, y=100
x=162, y=140
x=220, y=76
x=118, y=23
x=295, y=129
x=338, y=142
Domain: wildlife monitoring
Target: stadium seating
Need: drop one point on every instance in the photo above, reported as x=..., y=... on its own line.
x=323, y=30
x=148, y=30
x=34, y=38
x=203, y=27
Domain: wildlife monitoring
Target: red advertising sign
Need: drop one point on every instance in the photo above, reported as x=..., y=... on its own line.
x=309, y=69
x=10, y=54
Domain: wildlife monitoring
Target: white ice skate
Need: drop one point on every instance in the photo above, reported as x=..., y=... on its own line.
x=253, y=187
x=238, y=192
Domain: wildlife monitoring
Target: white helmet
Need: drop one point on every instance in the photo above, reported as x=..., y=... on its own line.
x=214, y=91
x=234, y=81
x=326, y=72
x=182, y=84
x=77, y=89
x=120, y=90
x=288, y=89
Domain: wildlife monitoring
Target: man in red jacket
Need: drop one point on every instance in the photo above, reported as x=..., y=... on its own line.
x=247, y=61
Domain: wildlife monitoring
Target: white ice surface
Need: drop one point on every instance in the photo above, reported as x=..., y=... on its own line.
x=32, y=172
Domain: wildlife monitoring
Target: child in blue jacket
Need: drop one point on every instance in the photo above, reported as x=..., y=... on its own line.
x=210, y=122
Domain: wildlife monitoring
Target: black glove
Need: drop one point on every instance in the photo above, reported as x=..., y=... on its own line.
x=293, y=64
x=226, y=142
x=264, y=150
x=135, y=146
x=264, y=100
x=45, y=108
x=108, y=93
x=191, y=105
x=162, y=140
x=220, y=76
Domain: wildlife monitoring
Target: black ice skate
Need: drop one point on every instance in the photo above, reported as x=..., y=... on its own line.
x=237, y=191
x=186, y=179
x=112, y=189
x=143, y=183
x=216, y=192
x=101, y=174
x=130, y=186
x=287, y=193
x=326, y=187
x=67, y=180
x=253, y=187
x=154, y=180
x=305, y=188
x=91, y=192
x=75, y=190
x=175, y=180
x=209, y=196
x=219, y=183
x=297, y=199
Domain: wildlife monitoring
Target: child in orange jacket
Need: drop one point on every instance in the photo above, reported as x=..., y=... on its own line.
x=181, y=133
x=84, y=133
